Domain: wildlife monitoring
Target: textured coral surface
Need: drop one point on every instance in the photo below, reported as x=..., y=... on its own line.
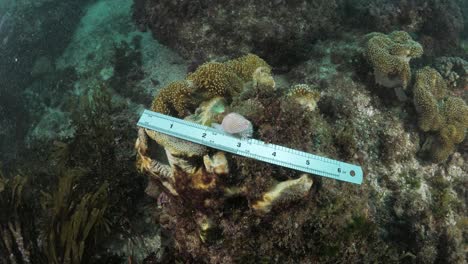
x=390, y=56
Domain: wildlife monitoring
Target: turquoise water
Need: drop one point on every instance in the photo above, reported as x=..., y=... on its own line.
x=379, y=84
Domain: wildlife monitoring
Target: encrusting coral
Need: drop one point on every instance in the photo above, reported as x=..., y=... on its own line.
x=216, y=79
x=173, y=99
x=446, y=116
x=246, y=65
x=389, y=56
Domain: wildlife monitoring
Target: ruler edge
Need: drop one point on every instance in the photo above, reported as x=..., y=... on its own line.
x=359, y=171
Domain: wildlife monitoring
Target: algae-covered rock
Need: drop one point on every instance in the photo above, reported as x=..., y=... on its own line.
x=202, y=30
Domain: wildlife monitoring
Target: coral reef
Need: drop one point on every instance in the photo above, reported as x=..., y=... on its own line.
x=445, y=115
x=418, y=17
x=454, y=70
x=389, y=56
x=202, y=30
x=76, y=75
x=209, y=182
x=282, y=32
x=382, y=217
x=222, y=208
x=405, y=194
x=173, y=97
x=217, y=79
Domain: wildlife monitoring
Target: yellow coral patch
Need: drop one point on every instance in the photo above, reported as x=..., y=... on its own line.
x=445, y=115
x=173, y=97
x=390, y=56
x=216, y=79
x=428, y=89
x=245, y=66
x=217, y=163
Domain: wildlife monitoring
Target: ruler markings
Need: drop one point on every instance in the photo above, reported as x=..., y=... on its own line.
x=252, y=148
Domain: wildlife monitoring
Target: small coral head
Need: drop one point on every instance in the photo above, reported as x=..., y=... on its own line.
x=234, y=123
x=262, y=76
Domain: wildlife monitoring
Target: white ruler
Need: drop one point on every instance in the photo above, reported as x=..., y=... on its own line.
x=252, y=148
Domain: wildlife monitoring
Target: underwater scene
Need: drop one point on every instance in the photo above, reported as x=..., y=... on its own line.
x=243, y=131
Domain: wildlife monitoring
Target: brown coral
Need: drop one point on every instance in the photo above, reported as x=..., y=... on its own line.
x=445, y=115
x=389, y=56
x=173, y=99
x=245, y=66
x=455, y=112
x=429, y=88
x=216, y=79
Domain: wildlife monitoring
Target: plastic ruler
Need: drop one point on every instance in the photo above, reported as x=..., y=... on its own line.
x=251, y=148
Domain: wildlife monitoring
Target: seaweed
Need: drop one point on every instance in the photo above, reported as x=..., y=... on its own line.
x=75, y=220
x=17, y=228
